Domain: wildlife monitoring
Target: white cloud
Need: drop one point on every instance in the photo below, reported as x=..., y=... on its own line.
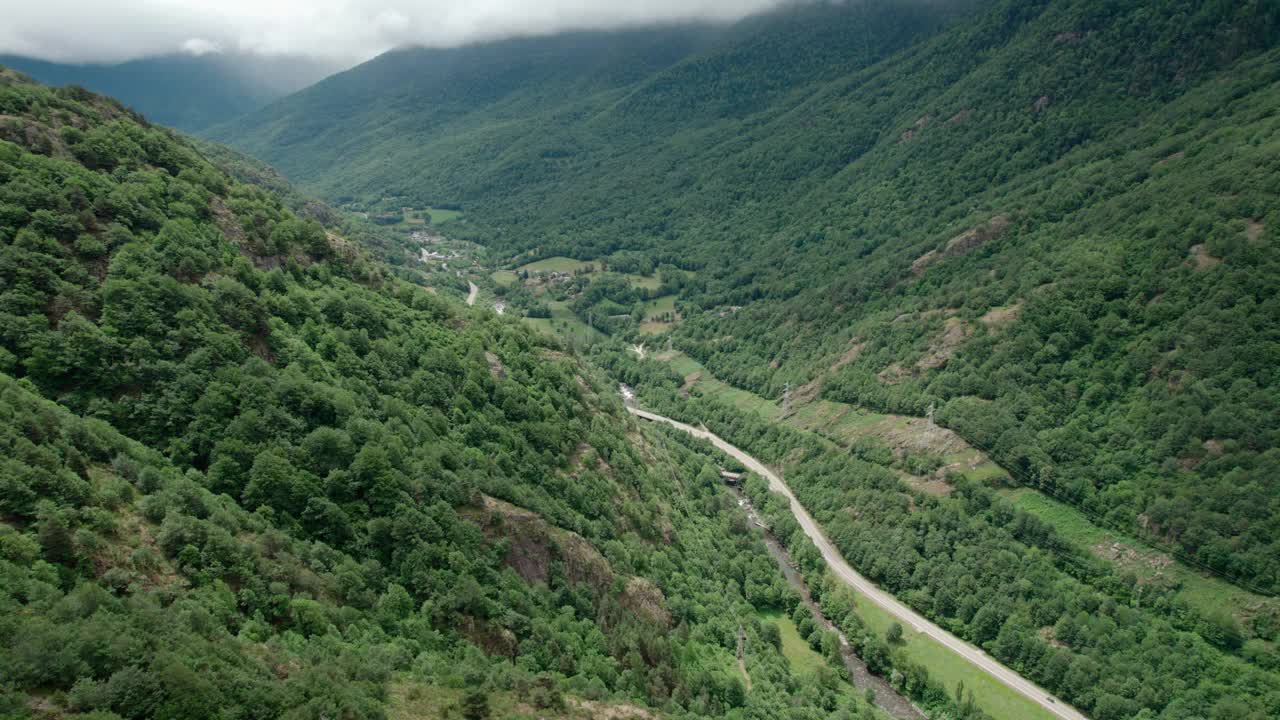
x=341, y=30
x=200, y=46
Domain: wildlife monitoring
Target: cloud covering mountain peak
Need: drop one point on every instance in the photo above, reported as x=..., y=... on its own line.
x=337, y=30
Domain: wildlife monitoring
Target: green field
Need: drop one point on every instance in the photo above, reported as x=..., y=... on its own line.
x=505, y=278
x=413, y=216
x=440, y=216
x=666, y=303
x=658, y=306
x=565, y=324
x=557, y=264
x=706, y=384
x=845, y=424
x=645, y=282
x=803, y=659
x=986, y=471
x=1203, y=592
x=408, y=217
x=835, y=420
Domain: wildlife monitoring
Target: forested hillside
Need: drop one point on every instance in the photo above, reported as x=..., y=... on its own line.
x=246, y=472
x=478, y=122
x=1114, y=646
x=1054, y=222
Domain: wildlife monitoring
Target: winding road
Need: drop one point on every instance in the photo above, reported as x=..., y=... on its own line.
x=851, y=577
x=471, y=295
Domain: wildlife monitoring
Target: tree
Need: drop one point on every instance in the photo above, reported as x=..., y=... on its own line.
x=894, y=633
x=475, y=704
x=375, y=480
x=55, y=540
x=546, y=694
x=735, y=695
x=1222, y=628
x=275, y=482
x=771, y=634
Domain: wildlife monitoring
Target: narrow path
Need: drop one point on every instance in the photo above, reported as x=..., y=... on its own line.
x=471, y=296
x=852, y=578
x=742, y=657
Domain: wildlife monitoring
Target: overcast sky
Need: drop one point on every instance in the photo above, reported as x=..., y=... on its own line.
x=346, y=31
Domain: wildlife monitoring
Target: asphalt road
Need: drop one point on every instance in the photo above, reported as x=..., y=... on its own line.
x=471, y=296
x=836, y=562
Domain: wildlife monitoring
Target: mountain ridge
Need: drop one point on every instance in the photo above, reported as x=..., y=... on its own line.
x=187, y=92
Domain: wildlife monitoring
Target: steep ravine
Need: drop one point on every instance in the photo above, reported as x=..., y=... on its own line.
x=885, y=695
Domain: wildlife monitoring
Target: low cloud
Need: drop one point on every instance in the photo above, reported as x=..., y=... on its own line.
x=335, y=30
x=200, y=46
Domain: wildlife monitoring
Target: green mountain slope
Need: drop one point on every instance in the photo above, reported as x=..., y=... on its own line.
x=523, y=111
x=1089, y=631
x=247, y=473
x=183, y=91
x=410, y=93
x=1115, y=303
x=1055, y=222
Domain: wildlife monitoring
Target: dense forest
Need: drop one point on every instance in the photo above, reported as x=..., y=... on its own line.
x=246, y=471
x=495, y=125
x=1055, y=222
x=996, y=576
x=256, y=462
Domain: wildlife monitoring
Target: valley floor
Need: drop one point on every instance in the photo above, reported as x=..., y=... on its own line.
x=862, y=678
x=845, y=425
x=1035, y=696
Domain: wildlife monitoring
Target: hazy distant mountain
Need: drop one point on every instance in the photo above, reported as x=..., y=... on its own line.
x=185, y=91
x=445, y=112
